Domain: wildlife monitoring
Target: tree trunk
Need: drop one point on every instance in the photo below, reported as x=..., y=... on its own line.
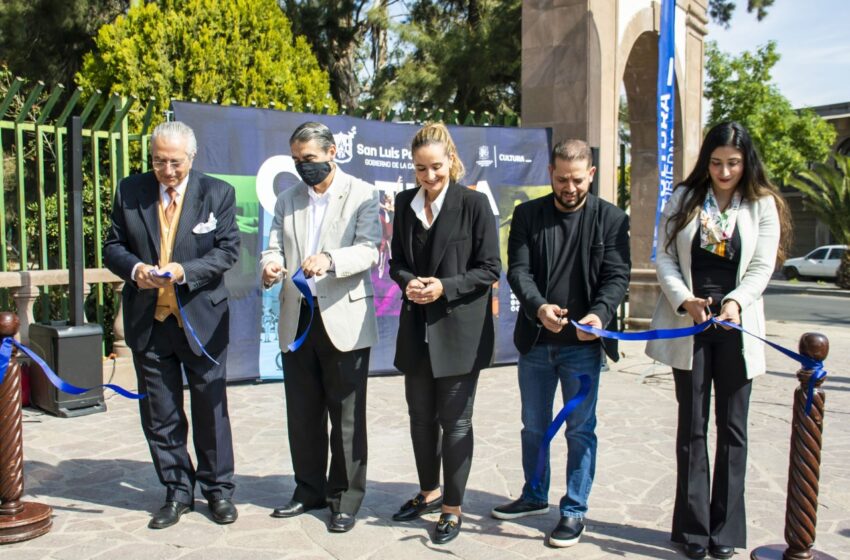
x=842, y=279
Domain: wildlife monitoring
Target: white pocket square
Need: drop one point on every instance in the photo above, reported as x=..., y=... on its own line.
x=206, y=227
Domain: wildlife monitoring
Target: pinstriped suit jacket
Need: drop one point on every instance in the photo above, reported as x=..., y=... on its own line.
x=134, y=237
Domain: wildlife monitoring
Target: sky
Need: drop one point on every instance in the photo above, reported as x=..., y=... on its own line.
x=812, y=39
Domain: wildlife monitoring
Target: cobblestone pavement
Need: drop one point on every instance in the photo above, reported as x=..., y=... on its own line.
x=95, y=472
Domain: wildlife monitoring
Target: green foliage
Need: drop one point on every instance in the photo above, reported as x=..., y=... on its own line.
x=827, y=191
x=466, y=56
x=350, y=40
x=721, y=10
x=239, y=51
x=740, y=89
x=46, y=39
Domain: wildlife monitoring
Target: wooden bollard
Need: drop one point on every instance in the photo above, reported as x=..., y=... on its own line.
x=801, y=507
x=19, y=521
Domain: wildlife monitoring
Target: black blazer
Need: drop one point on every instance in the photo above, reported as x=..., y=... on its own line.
x=465, y=257
x=134, y=237
x=605, y=257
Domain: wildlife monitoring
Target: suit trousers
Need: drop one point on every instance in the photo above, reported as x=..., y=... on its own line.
x=440, y=412
x=717, y=517
x=322, y=382
x=159, y=370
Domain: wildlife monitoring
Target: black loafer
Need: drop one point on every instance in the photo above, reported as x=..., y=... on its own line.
x=417, y=507
x=721, y=551
x=168, y=515
x=293, y=508
x=694, y=550
x=223, y=511
x=341, y=522
x=447, y=529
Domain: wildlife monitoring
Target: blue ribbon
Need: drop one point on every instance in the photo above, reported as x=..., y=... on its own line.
x=300, y=282
x=58, y=382
x=186, y=324
x=559, y=420
x=816, y=366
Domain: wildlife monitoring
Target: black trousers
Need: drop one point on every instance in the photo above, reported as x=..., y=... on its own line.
x=440, y=412
x=322, y=382
x=717, y=517
x=160, y=377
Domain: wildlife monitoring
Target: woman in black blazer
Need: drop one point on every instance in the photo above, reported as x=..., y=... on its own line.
x=445, y=258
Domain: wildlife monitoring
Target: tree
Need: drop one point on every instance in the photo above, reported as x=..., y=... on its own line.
x=466, y=56
x=740, y=89
x=46, y=39
x=721, y=10
x=827, y=191
x=240, y=51
x=350, y=39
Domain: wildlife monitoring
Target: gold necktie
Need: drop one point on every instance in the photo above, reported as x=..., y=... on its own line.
x=171, y=209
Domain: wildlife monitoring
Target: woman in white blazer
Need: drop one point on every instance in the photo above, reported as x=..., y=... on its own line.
x=721, y=234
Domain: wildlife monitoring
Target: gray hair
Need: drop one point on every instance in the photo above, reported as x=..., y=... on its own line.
x=313, y=131
x=571, y=150
x=177, y=129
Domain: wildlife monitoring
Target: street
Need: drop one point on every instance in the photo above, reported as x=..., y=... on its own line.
x=807, y=302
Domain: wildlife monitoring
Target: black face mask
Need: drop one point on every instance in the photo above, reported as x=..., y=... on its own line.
x=313, y=172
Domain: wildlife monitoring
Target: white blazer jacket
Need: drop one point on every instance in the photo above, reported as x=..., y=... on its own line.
x=758, y=227
x=350, y=233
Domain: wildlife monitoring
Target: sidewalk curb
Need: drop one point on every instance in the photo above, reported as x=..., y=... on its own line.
x=835, y=292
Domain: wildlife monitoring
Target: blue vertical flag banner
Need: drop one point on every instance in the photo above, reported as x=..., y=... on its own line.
x=666, y=109
x=249, y=148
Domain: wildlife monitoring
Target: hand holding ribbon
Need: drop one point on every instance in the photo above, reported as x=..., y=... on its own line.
x=186, y=324
x=816, y=366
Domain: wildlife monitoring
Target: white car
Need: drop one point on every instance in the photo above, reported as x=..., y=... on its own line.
x=821, y=263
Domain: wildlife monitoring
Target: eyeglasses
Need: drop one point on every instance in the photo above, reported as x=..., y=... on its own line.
x=160, y=164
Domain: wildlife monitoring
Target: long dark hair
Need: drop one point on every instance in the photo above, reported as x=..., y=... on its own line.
x=753, y=185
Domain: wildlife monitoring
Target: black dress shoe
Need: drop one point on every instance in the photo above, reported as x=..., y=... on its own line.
x=694, y=550
x=341, y=522
x=447, y=529
x=293, y=508
x=721, y=551
x=223, y=511
x=168, y=515
x=417, y=507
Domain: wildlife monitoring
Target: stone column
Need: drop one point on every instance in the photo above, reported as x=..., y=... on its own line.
x=25, y=297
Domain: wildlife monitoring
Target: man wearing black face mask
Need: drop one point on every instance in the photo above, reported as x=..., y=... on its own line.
x=328, y=226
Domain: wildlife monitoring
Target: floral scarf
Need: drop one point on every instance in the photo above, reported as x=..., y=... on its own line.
x=716, y=227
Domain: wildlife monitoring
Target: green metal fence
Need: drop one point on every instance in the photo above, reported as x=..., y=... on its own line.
x=33, y=141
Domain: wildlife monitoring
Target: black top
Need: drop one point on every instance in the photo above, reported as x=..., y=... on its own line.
x=421, y=244
x=462, y=250
x=604, y=254
x=715, y=276
x=566, y=287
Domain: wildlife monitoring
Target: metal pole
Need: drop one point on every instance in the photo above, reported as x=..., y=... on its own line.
x=75, y=240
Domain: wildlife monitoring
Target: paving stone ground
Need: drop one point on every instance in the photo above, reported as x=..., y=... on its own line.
x=95, y=472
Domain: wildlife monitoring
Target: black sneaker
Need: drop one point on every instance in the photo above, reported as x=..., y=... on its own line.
x=519, y=508
x=567, y=532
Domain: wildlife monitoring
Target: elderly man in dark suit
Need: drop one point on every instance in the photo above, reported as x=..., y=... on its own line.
x=173, y=236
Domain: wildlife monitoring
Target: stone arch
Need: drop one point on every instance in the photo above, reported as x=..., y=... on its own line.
x=599, y=46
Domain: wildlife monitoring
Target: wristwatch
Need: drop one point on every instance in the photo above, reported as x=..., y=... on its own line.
x=330, y=258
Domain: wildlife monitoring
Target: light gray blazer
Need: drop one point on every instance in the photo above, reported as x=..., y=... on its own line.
x=758, y=227
x=350, y=233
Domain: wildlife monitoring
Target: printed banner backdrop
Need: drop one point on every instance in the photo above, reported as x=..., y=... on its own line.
x=249, y=148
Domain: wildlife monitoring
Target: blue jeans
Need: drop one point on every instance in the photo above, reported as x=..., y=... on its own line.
x=539, y=372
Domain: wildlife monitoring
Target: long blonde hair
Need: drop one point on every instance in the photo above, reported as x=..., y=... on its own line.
x=437, y=133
